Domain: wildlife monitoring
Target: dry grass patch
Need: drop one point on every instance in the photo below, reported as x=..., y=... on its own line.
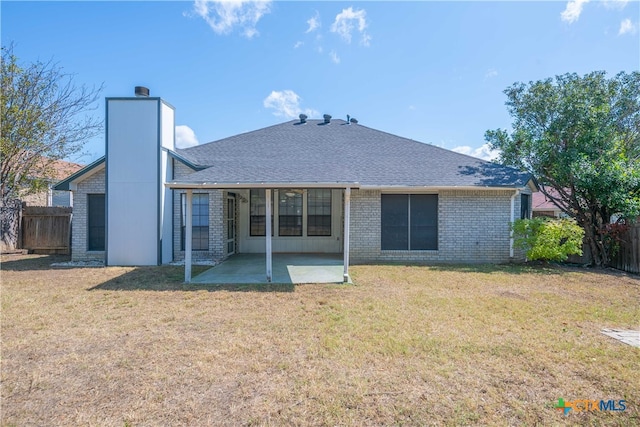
x=404, y=345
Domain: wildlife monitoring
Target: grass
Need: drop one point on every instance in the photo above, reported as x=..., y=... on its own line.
x=405, y=345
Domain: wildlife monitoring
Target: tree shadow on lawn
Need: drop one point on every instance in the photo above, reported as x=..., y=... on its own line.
x=20, y=262
x=170, y=278
x=515, y=269
x=539, y=268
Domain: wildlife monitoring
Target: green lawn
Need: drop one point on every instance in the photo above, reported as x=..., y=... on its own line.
x=404, y=345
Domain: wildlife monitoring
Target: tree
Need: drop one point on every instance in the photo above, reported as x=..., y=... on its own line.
x=44, y=117
x=581, y=137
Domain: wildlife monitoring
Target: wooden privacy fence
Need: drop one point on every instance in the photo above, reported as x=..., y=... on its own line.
x=628, y=256
x=46, y=229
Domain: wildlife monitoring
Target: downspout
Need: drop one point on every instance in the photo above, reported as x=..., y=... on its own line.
x=347, y=220
x=513, y=206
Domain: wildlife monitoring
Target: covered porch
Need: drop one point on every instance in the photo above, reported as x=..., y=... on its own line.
x=293, y=263
x=286, y=268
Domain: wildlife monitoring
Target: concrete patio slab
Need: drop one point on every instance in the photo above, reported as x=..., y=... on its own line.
x=631, y=338
x=287, y=268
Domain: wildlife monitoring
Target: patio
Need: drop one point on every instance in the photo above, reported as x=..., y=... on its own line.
x=287, y=268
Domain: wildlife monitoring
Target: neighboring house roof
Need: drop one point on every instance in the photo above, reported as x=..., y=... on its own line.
x=53, y=170
x=61, y=169
x=66, y=183
x=540, y=202
x=338, y=152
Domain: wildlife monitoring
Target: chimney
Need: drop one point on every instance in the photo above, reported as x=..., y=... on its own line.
x=142, y=92
x=327, y=119
x=303, y=118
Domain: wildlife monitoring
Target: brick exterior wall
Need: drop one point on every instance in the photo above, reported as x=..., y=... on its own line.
x=94, y=184
x=473, y=227
x=217, y=225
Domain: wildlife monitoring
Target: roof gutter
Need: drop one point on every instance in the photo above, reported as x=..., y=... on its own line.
x=223, y=185
x=433, y=188
x=184, y=160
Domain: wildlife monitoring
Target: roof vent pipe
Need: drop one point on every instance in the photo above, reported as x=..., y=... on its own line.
x=303, y=118
x=142, y=92
x=327, y=119
x=348, y=119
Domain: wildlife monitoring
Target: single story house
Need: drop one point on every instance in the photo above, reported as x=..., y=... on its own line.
x=302, y=186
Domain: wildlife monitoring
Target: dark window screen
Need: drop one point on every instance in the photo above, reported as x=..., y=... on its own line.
x=96, y=222
x=424, y=221
x=524, y=206
x=395, y=221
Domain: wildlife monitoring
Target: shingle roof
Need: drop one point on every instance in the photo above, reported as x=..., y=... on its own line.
x=339, y=152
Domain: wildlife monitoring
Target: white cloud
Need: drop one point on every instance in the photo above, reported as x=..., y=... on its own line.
x=298, y=44
x=627, y=27
x=350, y=20
x=185, y=137
x=334, y=57
x=286, y=103
x=573, y=10
x=615, y=4
x=226, y=15
x=491, y=72
x=314, y=23
x=484, y=152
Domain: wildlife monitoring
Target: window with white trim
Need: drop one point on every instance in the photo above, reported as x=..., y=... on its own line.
x=319, y=212
x=200, y=221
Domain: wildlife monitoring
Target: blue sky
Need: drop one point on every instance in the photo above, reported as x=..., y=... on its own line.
x=431, y=71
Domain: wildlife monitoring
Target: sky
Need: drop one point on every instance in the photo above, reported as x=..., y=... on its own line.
x=431, y=71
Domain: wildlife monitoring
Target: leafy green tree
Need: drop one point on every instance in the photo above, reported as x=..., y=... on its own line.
x=548, y=239
x=579, y=136
x=44, y=117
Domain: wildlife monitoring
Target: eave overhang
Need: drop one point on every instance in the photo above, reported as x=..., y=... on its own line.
x=177, y=185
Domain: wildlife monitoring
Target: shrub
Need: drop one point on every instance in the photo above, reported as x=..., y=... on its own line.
x=548, y=239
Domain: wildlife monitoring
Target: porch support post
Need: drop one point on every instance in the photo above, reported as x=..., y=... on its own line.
x=347, y=218
x=267, y=194
x=187, y=236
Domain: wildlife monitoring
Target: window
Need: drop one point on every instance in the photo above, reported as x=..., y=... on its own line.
x=199, y=221
x=409, y=222
x=423, y=222
x=319, y=212
x=258, y=212
x=96, y=221
x=290, y=213
x=525, y=212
